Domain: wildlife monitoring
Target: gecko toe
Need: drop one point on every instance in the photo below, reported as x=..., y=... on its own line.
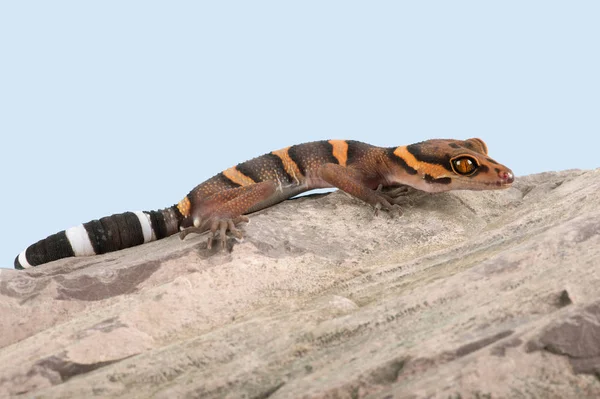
x=241, y=219
x=188, y=230
x=396, y=210
x=233, y=230
x=223, y=224
x=218, y=229
x=393, y=208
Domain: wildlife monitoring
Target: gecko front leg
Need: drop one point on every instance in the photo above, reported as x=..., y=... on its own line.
x=351, y=182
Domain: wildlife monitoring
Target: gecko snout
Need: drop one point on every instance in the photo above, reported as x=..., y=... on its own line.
x=507, y=177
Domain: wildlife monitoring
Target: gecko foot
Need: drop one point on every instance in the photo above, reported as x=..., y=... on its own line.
x=216, y=226
x=399, y=195
x=393, y=209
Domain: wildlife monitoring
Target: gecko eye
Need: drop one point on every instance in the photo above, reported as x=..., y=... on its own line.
x=464, y=165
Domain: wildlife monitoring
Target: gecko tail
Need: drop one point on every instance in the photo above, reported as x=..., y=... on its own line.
x=107, y=234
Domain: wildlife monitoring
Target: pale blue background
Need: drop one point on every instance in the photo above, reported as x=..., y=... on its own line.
x=126, y=105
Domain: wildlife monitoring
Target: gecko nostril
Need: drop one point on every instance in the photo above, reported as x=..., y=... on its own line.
x=508, y=177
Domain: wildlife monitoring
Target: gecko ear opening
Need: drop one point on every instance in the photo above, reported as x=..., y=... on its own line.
x=477, y=145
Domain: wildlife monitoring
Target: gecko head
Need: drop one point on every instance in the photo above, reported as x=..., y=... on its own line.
x=443, y=165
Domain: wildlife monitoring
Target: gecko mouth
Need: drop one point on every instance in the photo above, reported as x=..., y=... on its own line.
x=499, y=184
x=485, y=185
x=505, y=179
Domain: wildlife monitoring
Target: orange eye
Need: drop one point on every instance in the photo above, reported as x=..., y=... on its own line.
x=464, y=165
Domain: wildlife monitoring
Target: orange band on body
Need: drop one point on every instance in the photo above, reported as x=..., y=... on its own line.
x=184, y=206
x=290, y=166
x=340, y=151
x=238, y=177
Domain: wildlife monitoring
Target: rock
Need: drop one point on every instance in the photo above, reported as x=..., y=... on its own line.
x=466, y=295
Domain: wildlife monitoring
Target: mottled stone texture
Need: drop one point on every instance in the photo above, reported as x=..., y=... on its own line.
x=467, y=295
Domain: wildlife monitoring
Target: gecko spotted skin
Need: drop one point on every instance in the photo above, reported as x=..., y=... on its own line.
x=220, y=203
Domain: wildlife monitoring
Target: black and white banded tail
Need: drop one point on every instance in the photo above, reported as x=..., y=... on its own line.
x=110, y=233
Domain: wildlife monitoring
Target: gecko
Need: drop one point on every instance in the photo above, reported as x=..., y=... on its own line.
x=220, y=204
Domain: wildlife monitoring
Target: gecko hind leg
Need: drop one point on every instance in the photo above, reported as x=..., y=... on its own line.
x=223, y=211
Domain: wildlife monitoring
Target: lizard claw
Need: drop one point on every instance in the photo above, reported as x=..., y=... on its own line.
x=188, y=230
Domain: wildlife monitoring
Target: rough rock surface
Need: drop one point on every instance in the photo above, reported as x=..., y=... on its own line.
x=467, y=295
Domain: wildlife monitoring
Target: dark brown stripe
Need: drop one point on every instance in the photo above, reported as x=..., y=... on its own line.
x=97, y=235
x=54, y=247
x=154, y=222
x=328, y=147
x=400, y=161
x=18, y=264
x=247, y=170
x=225, y=181
x=112, y=241
x=311, y=154
x=135, y=229
x=159, y=226
x=130, y=230
x=295, y=153
x=280, y=167
x=442, y=180
x=442, y=160
x=178, y=214
x=356, y=150
x=124, y=236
